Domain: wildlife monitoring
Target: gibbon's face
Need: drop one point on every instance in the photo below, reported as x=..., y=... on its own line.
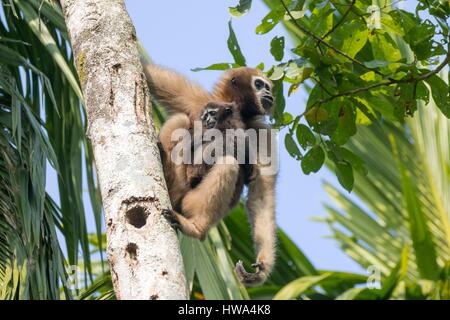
x=216, y=115
x=250, y=89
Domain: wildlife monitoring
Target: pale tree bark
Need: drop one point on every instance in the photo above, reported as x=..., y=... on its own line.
x=143, y=250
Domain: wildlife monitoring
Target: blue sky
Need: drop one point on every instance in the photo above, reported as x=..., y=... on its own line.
x=186, y=34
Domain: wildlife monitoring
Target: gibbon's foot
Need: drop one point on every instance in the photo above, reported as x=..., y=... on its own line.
x=248, y=278
x=171, y=217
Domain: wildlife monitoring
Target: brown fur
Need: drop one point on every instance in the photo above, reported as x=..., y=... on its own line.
x=180, y=95
x=217, y=187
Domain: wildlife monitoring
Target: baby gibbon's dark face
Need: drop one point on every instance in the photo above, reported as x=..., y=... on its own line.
x=217, y=115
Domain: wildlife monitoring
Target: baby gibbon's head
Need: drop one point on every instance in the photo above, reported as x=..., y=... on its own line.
x=221, y=116
x=249, y=88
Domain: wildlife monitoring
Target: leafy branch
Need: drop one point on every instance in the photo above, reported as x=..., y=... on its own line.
x=390, y=82
x=325, y=43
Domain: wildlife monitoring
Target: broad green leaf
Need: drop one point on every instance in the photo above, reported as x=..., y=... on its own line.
x=278, y=73
x=270, y=20
x=351, y=37
x=441, y=94
x=345, y=125
x=344, y=173
x=384, y=48
x=291, y=146
x=287, y=118
x=313, y=160
x=241, y=8
x=234, y=48
x=420, y=39
x=392, y=25
x=304, y=136
x=277, y=48
x=280, y=102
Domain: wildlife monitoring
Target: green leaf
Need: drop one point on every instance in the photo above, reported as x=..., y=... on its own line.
x=287, y=118
x=356, y=162
x=360, y=293
x=241, y=8
x=298, y=71
x=346, y=125
x=384, y=49
x=234, y=48
x=420, y=39
x=324, y=118
x=270, y=20
x=313, y=160
x=351, y=37
x=215, y=66
x=297, y=287
x=397, y=275
x=291, y=146
x=44, y=35
x=277, y=48
x=280, y=102
x=441, y=94
x=379, y=101
x=344, y=173
x=304, y=136
x=277, y=73
x=209, y=276
x=422, y=238
x=392, y=25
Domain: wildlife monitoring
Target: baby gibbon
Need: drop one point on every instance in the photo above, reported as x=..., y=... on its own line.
x=251, y=92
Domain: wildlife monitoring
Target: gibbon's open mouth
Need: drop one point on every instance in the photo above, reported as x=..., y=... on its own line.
x=267, y=102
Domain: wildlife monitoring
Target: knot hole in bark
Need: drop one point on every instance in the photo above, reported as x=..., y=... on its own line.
x=137, y=216
x=132, y=250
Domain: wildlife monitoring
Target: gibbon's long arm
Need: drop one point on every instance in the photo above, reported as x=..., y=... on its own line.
x=177, y=93
x=261, y=211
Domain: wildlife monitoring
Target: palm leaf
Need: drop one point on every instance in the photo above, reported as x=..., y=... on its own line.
x=403, y=200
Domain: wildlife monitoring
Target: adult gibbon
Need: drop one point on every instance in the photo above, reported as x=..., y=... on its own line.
x=251, y=91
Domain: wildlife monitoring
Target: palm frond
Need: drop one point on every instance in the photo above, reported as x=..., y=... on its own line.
x=404, y=200
x=42, y=128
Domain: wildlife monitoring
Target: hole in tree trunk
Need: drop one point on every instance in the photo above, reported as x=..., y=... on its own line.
x=137, y=217
x=132, y=250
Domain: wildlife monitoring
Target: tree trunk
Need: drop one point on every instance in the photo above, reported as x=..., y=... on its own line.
x=143, y=250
